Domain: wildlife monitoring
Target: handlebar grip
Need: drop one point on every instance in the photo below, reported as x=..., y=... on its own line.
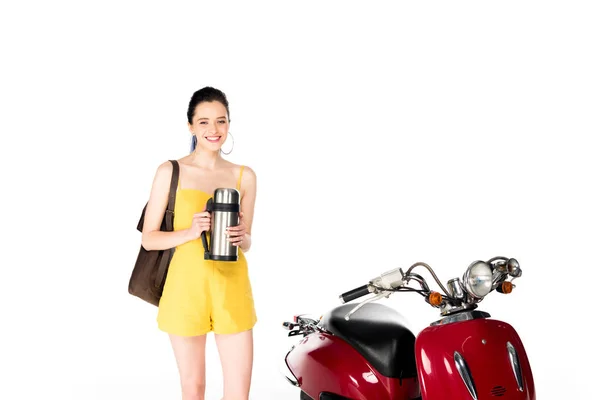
x=355, y=293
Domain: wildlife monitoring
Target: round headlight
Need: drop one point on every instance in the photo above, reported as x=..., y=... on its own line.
x=478, y=279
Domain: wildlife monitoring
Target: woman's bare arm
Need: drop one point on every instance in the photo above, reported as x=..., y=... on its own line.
x=152, y=237
x=248, y=187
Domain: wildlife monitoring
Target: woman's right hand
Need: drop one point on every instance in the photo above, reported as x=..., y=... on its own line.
x=200, y=223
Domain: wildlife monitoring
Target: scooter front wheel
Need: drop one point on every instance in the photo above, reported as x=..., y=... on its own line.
x=324, y=396
x=304, y=396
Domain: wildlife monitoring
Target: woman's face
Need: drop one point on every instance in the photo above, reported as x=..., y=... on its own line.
x=210, y=125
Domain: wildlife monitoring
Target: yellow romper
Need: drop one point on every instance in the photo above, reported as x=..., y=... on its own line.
x=203, y=295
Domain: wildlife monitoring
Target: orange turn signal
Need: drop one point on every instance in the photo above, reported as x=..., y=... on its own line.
x=435, y=299
x=507, y=287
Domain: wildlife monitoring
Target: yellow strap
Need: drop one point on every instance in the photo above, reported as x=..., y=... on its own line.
x=239, y=182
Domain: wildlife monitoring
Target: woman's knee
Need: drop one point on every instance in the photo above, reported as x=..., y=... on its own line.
x=240, y=396
x=193, y=389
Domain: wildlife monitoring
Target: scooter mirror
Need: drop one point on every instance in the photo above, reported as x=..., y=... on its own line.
x=513, y=268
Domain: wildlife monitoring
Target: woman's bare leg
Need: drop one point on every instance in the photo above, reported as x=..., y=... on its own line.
x=236, y=352
x=190, y=356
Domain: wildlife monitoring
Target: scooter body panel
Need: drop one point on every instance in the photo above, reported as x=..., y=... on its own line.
x=482, y=347
x=322, y=362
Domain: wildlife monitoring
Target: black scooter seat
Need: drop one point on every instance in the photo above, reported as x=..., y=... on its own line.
x=378, y=334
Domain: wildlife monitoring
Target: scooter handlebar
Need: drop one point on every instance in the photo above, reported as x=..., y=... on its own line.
x=355, y=293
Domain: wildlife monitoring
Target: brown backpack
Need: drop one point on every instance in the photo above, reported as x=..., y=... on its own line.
x=150, y=271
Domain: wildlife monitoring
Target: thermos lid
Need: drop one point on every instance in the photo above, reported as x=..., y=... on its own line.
x=226, y=196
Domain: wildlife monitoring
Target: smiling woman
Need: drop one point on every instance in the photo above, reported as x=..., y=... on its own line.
x=201, y=295
x=203, y=99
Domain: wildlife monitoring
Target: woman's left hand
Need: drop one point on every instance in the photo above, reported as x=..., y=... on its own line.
x=237, y=234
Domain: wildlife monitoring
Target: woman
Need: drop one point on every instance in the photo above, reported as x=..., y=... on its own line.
x=202, y=295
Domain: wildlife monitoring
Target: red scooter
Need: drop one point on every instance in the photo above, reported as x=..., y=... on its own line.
x=364, y=351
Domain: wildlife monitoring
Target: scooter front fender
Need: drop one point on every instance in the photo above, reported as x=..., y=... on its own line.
x=322, y=362
x=475, y=359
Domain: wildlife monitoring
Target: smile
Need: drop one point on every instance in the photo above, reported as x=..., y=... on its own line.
x=213, y=139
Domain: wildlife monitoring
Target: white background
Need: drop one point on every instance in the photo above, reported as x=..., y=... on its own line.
x=381, y=135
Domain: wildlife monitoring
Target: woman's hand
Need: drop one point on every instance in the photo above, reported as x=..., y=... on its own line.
x=200, y=223
x=237, y=234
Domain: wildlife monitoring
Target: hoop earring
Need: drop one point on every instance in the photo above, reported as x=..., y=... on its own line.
x=232, y=144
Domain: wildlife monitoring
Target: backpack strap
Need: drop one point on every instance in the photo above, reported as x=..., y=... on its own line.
x=170, y=211
x=169, y=217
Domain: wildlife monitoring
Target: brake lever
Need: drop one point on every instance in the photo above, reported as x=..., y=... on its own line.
x=376, y=297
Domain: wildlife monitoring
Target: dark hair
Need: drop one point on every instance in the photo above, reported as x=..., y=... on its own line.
x=207, y=94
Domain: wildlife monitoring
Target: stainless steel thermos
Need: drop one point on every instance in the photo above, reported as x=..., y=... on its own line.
x=224, y=207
